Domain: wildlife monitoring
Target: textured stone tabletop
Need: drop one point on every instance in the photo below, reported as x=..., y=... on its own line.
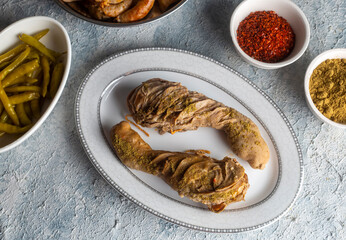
x=50, y=190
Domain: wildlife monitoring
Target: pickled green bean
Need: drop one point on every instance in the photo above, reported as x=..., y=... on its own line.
x=23, y=118
x=20, y=71
x=8, y=106
x=23, y=97
x=4, y=64
x=57, y=74
x=46, y=75
x=23, y=89
x=33, y=42
x=27, y=109
x=12, y=53
x=8, y=128
x=35, y=108
x=3, y=119
x=14, y=64
x=33, y=55
x=16, y=50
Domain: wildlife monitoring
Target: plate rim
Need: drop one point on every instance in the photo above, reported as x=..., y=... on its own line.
x=150, y=210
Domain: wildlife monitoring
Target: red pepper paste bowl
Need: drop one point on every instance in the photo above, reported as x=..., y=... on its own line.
x=258, y=41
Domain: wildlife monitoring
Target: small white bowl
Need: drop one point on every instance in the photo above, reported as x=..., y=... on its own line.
x=330, y=54
x=56, y=39
x=284, y=8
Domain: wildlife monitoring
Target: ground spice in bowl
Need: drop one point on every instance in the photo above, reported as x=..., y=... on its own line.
x=327, y=88
x=265, y=36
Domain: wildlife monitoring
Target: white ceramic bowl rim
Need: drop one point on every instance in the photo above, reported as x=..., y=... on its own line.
x=315, y=62
x=264, y=64
x=53, y=102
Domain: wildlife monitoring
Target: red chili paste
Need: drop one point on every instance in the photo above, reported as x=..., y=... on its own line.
x=265, y=36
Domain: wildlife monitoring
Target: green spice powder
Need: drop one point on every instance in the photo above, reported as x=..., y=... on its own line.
x=328, y=89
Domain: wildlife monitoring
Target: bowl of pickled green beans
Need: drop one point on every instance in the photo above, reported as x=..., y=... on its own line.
x=35, y=59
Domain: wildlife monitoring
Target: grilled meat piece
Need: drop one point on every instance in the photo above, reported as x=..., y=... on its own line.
x=201, y=178
x=170, y=107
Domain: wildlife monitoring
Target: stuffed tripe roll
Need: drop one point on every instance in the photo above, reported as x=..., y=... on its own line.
x=215, y=183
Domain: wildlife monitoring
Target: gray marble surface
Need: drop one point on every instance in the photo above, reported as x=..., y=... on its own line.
x=50, y=190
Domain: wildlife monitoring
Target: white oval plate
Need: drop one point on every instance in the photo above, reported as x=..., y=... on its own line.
x=56, y=39
x=101, y=103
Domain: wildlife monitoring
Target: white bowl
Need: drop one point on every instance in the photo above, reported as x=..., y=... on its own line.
x=56, y=39
x=330, y=54
x=284, y=8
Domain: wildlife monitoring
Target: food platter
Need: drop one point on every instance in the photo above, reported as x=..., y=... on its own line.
x=101, y=103
x=83, y=16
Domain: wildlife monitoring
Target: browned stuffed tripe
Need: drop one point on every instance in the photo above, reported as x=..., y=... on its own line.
x=215, y=183
x=122, y=11
x=171, y=107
